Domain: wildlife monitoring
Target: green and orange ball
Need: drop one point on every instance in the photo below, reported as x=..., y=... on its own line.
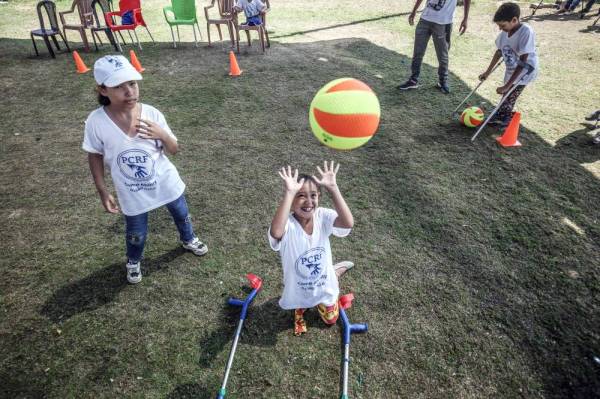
x=472, y=117
x=344, y=114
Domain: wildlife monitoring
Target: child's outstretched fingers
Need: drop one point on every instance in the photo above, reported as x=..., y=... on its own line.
x=327, y=174
x=290, y=180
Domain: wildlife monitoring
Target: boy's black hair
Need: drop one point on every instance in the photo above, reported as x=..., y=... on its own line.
x=103, y=100
x=309, y=178
x=506, y=12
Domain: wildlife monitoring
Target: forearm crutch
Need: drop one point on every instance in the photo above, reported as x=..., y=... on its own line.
x=349, y=329
x=454, y=113
x=528, y=69
x=255, y=283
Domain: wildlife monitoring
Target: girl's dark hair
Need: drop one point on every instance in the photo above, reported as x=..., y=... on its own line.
x=309, y=178
x=506, y=12
x=103, y=100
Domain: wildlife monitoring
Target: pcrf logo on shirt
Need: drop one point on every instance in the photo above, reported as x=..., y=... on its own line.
x=309, y=264
x=510, y=58
x=136, y=165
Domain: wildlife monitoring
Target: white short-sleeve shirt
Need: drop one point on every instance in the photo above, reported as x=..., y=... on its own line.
x=521, y=42
x=439, y=11
x=251, y=8
x=308, y=275
x=143, y=176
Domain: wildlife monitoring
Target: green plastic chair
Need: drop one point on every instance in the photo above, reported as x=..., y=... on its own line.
x=182, y=12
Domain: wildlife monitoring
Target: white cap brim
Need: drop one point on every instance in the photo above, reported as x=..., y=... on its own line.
x=122, y=76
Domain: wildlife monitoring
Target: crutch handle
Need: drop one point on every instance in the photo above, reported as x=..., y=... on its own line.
x=256, y=284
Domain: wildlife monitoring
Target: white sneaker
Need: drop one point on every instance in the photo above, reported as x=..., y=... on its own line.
x=196, y=246
x=342, y=267
x=134, y=273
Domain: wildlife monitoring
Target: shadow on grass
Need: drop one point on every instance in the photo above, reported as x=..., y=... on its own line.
x=99, y=288
x=360, y=21
x=490, y=220
x=192, y=391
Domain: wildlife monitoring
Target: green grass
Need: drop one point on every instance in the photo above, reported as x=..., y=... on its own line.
x=477, y=266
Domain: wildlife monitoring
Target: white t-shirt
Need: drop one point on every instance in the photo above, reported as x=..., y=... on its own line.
x=251, y=8
x=308, y=275
x=521, y=42
x=439, y=11
x=143, y=176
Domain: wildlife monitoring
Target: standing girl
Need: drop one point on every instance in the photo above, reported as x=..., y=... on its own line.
x=131, y=139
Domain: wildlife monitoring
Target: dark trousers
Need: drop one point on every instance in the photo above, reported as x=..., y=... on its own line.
x=441, y=41
x=506, y=109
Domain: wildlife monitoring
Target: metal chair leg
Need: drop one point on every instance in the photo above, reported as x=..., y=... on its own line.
x=47, y=41
x=199, y=31
x=117, y=44
x=137, y=40
x=34, y=46
x=173, y=36
x=150, y=34
x=195, y=40
x=55, y=42
x=64, y=39
x=94, y=34
x=178, y=37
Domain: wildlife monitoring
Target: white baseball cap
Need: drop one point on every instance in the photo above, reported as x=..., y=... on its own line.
x=112, y=70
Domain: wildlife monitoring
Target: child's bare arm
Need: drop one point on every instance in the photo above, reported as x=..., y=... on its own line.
x=291, y=186
x=345, y=219
x=495, y=58
x=96, y=162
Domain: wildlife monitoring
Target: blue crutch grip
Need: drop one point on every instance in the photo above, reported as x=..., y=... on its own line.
x=235, y=302
x=359, y=328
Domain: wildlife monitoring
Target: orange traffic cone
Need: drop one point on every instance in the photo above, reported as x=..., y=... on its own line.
x=234, y=69
x=79, y=64
x=509, y=138
x=135, y=62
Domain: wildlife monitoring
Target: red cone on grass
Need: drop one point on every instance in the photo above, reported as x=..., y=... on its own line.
x=234, y=69
x=135, y=62
x=79, y=64
x=511, y=133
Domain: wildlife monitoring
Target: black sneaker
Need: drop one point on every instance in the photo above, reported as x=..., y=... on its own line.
x=408, y=85
x=443, y=86
x=498, y=123
x=593, y=116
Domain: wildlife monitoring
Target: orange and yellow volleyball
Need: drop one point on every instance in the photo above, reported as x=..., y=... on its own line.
x=344, y=114
x=472, y=117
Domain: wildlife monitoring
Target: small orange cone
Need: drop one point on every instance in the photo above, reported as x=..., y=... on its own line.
x=135, y=62
x=509, y=138
x=234, y=69
x=79, y=64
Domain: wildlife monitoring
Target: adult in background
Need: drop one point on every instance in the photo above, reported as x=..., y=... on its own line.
x=435, y=22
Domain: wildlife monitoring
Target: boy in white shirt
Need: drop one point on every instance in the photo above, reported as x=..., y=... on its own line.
x=252, y=9
x=435, y=22
x=302, y=240
x=516, y=45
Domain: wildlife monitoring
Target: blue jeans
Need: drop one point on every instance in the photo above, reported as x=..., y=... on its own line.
x=136, y=228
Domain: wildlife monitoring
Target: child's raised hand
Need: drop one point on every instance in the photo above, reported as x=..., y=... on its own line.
x=327, y=175
x=290, y=180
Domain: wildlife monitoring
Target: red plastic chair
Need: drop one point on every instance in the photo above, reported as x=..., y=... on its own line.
x=136, y=9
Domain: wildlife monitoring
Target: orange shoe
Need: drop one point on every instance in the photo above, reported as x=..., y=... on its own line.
x=330, y=313
x=299, y=323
